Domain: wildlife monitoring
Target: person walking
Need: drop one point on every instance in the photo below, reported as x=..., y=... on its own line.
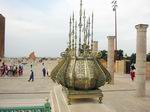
x=43, y=70
x=3, y=69
x=132, y=71
x=20, y=70
x=31, y=74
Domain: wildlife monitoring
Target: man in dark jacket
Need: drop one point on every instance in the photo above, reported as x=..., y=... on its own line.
x=31, y=75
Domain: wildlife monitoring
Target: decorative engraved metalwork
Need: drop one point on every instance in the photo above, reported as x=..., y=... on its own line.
x=82, y=72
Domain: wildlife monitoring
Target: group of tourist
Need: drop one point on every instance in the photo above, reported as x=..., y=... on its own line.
x=44, y=72
x=11, y=70
x=14, y=70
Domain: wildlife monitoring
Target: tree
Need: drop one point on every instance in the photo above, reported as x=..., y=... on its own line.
x=133, y=58
x=126, y=57
x=119, y=54
x=103, y=54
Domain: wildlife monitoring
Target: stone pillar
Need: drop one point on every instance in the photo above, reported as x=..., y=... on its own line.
x=95, y=46
x=147, y=70
x=141, y=59
x=2, y=36
x=110, y=59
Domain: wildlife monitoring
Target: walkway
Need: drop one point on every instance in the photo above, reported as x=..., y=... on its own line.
x=120, y=97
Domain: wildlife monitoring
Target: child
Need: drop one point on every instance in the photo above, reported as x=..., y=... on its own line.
x=132, y=72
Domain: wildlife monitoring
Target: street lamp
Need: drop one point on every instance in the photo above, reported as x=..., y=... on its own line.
x=114, y=2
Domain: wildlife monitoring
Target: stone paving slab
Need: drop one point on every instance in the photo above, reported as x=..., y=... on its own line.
x=123, y=100
x=23, y=86
x=90, y=108
x=82, y=105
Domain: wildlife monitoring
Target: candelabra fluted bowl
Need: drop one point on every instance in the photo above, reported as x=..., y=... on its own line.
x=80, y=73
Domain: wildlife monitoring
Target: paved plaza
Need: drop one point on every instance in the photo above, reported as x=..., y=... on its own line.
x=120, y=97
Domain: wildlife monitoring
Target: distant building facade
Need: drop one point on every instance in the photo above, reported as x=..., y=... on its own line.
x=32, y=56
x=95, y=46
x=2, y=36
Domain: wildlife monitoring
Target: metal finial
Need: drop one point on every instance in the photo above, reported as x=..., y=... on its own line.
x=81, y=2
x=73, y=17
x=84, y=14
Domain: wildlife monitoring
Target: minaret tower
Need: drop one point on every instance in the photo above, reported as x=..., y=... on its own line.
x=80, y=26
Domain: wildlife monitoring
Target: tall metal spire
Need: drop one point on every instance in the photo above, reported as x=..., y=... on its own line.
x=92, y=32
x=84, y=29
x=89, y=33
x=75, y=38
x=80, y=26
x=70, y=34
x=86, y=32
x=73, y=31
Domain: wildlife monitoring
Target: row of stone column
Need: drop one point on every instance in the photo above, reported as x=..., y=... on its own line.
x=141, y=47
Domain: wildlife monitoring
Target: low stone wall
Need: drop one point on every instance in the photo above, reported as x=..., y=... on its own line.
x=120, y=67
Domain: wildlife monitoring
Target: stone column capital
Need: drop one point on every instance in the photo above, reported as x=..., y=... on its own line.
x=141, y=27
x=111, y=37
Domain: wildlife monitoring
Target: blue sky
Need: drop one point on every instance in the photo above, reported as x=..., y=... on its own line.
x=42, y=25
